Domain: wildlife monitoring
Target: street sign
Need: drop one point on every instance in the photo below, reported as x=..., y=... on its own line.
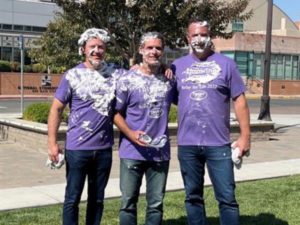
x=21, y=41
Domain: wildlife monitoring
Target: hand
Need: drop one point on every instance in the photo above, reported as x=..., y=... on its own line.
x=134, y=137
x=243, y=144
x=169, y=74
x=53, y=151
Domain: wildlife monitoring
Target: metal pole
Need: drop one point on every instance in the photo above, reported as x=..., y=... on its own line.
x=265, y=99
x=21, y=46
x=22, y=81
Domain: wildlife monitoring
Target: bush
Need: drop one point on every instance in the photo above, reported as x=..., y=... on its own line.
x=173, y=114
x=39, y=68
x=58, y=69
x=4, y=66
x=15, y=66
x=39, y=112
x=28, y=68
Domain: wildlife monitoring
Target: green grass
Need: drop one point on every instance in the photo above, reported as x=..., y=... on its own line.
x=265, y=202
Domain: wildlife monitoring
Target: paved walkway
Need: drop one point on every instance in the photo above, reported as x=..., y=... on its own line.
x=26, y=182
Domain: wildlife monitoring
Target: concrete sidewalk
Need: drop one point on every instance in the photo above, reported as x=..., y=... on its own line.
x=26, y=182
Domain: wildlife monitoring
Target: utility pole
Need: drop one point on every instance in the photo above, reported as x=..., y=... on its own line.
x=265, y=99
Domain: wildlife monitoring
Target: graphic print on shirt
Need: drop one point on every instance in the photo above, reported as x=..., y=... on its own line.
x=197, y=78
x=153, y=90
x=96, y=86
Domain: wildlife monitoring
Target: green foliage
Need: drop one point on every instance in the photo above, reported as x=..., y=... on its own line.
x=4, y=66
x=39, y=68
x=28, y=68
x=126, y=22
x=39, y=112
x=173, y=114
x=264, y=202
x=58, y=45
x=15, y=66
x=58, y=69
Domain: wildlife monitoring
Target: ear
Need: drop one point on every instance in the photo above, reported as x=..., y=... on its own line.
x=188, y=38
x=82, y=50
x=141, y=50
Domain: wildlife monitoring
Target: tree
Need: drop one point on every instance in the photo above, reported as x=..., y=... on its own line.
x=127, y=20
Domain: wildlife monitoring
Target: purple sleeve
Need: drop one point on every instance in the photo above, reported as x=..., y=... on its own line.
x=237, y=86
x=63, y=92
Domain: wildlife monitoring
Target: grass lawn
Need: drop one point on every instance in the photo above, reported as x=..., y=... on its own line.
x=264, y=202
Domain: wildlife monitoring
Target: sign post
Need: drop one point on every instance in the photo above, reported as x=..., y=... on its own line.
x=21, y=46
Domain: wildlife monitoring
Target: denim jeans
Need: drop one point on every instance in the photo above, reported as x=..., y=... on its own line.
x=95, y=165
x=220, y=169
x=131, y=174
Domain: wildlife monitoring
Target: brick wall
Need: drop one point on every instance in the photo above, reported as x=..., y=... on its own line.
x=284, y=87
x=33, y=84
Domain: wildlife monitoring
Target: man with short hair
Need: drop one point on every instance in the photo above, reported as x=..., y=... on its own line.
x=143, y=102
x=89, y=89
x=206, y=82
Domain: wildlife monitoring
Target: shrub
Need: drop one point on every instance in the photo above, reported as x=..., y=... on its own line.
x=28, y=68
x=58, y=69
x=173, y=114
x=4, y=66
x=39, y=112
x=39, y=68
x=15, y=66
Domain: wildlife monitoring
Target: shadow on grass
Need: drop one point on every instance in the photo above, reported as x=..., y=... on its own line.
x=261, y=219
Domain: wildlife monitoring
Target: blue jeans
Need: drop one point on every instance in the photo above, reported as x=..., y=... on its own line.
x=131, y=174
x=220, y=169
x=95, y=165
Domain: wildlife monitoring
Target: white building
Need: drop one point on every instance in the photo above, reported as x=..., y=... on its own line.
x=26, y=17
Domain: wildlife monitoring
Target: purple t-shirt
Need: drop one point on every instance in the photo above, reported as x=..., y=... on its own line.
x=144, y=101
x=204, y=92
x=90, y=95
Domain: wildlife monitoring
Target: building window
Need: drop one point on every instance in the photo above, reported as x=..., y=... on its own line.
x=237, y=26
x=39, y=29
x=288, y=67
x=6, y=27
x=257, y=65
x=295, y=67
x=280, y=67
x=241, y=59
x=18, y=27
x=7, y=54
x=273, y=69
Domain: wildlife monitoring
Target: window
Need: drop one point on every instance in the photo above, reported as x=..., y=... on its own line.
x=280, y=67
x=18, y=27
x=6, y=27
x=237, y=26
x=27, y=28
x=288, y=67
x=250, y=64
x=38, y=29
x=257, y=65
x=241, y=59
x=273, y=69
x=6, y=53
x=295, y=67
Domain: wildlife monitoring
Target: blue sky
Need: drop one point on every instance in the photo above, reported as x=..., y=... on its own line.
x=290, y=7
